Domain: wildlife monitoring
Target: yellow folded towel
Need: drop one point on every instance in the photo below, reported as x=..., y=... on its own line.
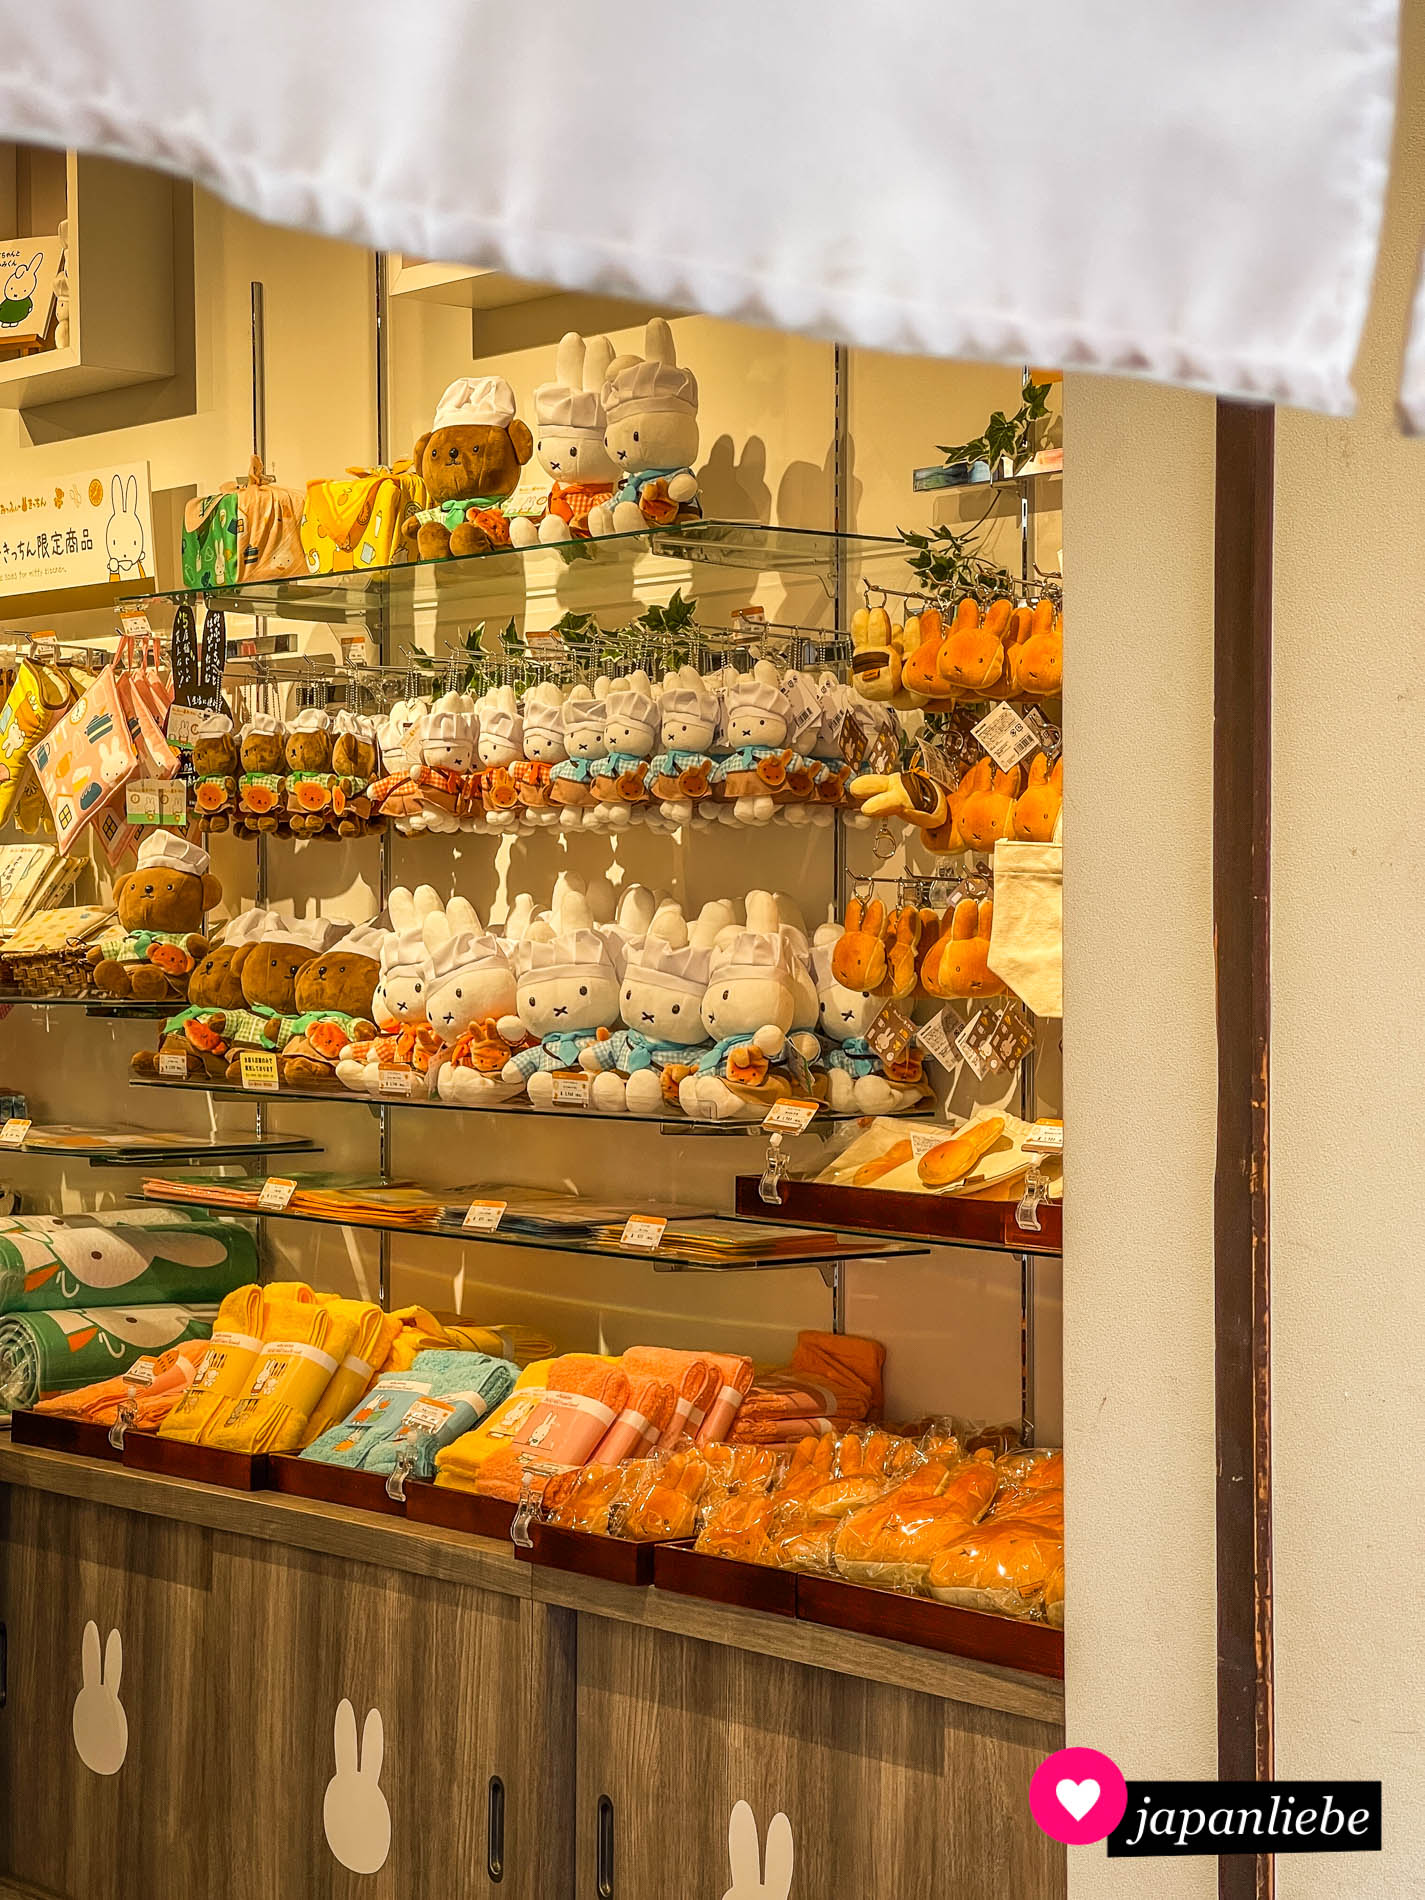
x=303, y=1345
x=371, y=1344
x=458, y=1465
x=225, y=1367
x=420, y=1331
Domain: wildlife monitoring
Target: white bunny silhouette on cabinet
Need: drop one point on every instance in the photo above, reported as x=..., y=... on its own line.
x=101, y=1729
x=750, y=1881
x=355, y=1817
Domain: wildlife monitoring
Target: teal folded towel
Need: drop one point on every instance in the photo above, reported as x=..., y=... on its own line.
x=373, y=1436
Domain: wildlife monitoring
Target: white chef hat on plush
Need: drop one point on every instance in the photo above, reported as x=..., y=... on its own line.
x=579, y=713
x=682, y=968
x=311, y=719
x=357, y=725
x=362, y=940
x=757, y=953
x=403, y=953
x=466, y=950
x=755, y=695
x=249, y=926
x=166, y=851
x=570, y=955
x=309, y=933
x=543, y=711
x=647, y=388
x=213, y=725
x=558, y=407
x=476, y=401
x=264, y=722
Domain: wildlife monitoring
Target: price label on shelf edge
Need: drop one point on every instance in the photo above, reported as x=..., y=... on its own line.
x=395, y=1082
x=12, y=1135
x=483, y=1217
x=571, y=1091
x=791, y=1114
x=643, y=1231
x=257, y=1069
x=173, y=1067
x=277, y=1191
x=1047, y=1139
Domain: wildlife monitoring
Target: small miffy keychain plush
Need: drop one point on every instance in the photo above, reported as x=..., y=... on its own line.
x=619, y=778
x=569, y=428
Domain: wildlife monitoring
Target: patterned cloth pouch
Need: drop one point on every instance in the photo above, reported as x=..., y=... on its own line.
x=84, y=759
x=356, y=521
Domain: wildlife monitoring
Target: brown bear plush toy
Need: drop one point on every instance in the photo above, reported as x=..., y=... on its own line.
x=310, y=779
x=281, y=946
x=470, y=462
x=199, y=1035
x=215, y=761
x=262, y=789
x=161, y=906
x=334, y=1000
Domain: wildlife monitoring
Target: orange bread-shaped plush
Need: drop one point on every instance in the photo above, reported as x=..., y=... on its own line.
x=1028, y=1473
x=1053, y=1597
x=892, y=1542
x=964, y=967
x=1038, y=661
x=920, y=669
x=934, y=957
x=902, y=942
x=1000, y=1565
x=870, y=1172
x=665, y=1505
x=858, y=957
x=986, y=812
x=581, y=1500
x=1036, y=810
x=971, y=661
x=954, y=1159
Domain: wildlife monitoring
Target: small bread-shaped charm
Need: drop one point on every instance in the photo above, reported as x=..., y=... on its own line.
x=895, y=1156
x=953, y=1159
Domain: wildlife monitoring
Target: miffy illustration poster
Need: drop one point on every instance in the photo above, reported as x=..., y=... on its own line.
x=28, y=268
x=91, y=529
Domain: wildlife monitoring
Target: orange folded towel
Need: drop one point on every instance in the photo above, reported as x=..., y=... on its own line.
x=851, y=1365
x=736, y=1374
x=640, y=1425
x=582, y=1398
x=694, y=1380
x=99, y=1404
x=781, y=1431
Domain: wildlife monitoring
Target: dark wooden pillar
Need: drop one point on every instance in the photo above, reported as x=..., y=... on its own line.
x=1241, y=850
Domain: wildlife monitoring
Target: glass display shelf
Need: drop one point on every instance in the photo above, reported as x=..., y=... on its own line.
x=143, y=1147
x=824, y=1122
x=92, y=1005
x=463, y=586
x=944, y=1220
x=942, y=476
x=826, y=1249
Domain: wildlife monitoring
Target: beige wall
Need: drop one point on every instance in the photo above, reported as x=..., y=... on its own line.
x=951, y=1321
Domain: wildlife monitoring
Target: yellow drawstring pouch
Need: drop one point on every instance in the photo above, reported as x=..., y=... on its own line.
x=371, y=1343
x=35, y=701
x=302, y=1347
x=223, y=1370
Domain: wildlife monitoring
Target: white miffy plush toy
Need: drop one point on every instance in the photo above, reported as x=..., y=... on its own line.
x=680, y=774
x=500, y=745
x=542, y=710
x=567, y=990
x=398, y=741
x=651, y=433
x=754, y=728
x=637, y=907
x=447, y=737
x=569, y=426
x=519, y=919
x=748, y=1008
x=470, y=987
x=619, y=778
x=856, y=1079
x=569, y=782
x=664, y=982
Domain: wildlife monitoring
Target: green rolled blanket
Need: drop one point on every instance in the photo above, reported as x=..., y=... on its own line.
x=144, y=1257
x=44, y=1353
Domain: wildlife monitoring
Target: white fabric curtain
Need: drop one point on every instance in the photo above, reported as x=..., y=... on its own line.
x=1188, y=190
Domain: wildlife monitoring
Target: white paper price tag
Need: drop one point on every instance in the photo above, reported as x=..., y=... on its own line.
x=257, y=1069
x=791, y=1113
x=1006, y=737
x=643, y=1231
x=183, y=724
x=922, y=1140
x=425, y=1415
x=395, y=1082
x=937, y=1040
x=135, y=623
x=483, y=1217
x=12, y=1135
x=571, y=1091
x=1046, y=1139
x=173, y=1068
x=277, y=1191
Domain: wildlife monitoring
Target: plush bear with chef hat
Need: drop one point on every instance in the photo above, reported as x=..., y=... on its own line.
x=470, y=461
x=280, y=946
x=333, y=1000
x=569, y=427
x=161, y=906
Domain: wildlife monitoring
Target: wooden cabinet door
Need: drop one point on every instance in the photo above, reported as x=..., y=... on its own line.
x=886, y=1792
x=138, y=1825
x=464, y=1800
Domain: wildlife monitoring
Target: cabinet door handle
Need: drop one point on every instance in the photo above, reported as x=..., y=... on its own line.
x=495, y=1832
x=604, y=1880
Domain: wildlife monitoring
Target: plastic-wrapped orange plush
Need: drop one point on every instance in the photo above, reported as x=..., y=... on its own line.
x=1003, y=1565
x=738, y=1527
x=666, y=1505
x=1054, y=1597
x=891, y=1543
x=581, y=1500
x=1031, y=1470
